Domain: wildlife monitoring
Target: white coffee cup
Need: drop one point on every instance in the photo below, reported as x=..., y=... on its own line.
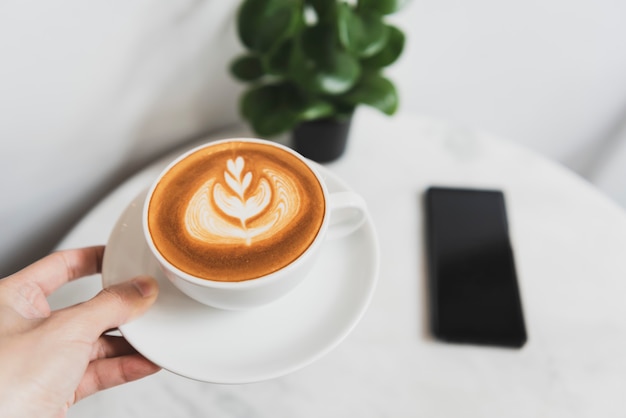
x=345, y=213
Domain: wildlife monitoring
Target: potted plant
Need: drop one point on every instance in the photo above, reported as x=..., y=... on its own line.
x=310, y=63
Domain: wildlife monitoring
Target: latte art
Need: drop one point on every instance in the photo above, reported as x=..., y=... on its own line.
x=235, y=210
x=232, y=211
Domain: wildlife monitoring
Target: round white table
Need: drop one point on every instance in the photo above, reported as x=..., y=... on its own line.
x=569, y=242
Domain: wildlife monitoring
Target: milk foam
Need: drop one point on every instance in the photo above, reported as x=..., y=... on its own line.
x=242, y=206
x=236, y=211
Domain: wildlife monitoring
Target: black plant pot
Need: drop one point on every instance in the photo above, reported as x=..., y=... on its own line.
x=322, y=140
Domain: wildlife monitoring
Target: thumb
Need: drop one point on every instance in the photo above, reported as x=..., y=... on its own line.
x=112, y=307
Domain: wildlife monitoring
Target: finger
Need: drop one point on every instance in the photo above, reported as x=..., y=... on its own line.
x=109, y=346
x=106, y=373
x=56, y=269
x=14, y=321
x=112, y=307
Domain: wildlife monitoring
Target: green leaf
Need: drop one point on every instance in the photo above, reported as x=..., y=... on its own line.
x=324, y=9
x=362, y=33
x=277, y=61
x=375, y=91
x=320, y=65
x=262, y=24
x=315, y=109
x=383, y=7
x=343, y=111
x=390, y=53
x=271, y=109
x=247, y=68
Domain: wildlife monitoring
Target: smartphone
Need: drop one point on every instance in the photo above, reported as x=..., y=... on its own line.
x=473, y=289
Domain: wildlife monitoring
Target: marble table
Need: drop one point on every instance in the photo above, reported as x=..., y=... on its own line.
x=569, y=242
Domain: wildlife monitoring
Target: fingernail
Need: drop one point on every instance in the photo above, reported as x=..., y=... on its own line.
x=145, y=285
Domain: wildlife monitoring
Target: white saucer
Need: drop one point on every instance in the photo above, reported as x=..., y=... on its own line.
x=211, y=345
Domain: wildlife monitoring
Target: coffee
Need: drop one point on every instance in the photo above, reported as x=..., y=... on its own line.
x=235, y=211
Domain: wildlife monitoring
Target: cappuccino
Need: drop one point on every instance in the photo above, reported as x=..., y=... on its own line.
x=235, y=211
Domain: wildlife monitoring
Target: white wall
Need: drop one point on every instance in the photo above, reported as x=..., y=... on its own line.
x=90, y=91
x=548, y=73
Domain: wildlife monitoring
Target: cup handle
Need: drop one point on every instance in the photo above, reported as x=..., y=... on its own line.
x=347, y=213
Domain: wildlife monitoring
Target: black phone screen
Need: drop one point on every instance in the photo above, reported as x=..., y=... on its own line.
x=474, y=295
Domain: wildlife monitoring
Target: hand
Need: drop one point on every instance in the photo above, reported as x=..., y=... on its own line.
x=50, y=360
